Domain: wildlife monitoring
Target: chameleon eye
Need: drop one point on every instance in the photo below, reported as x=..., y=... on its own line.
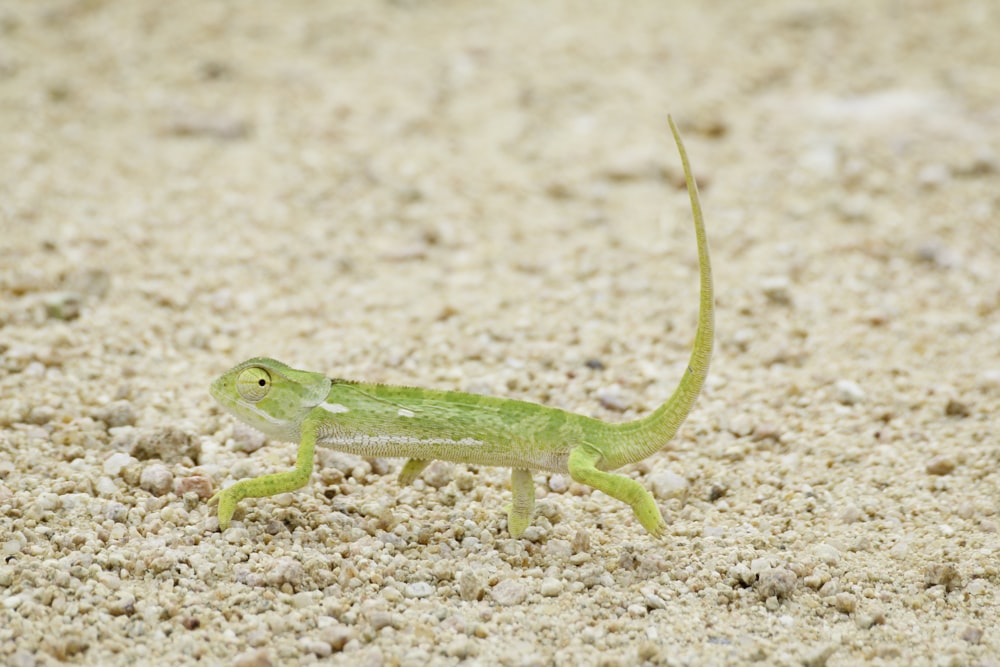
x=253, y=384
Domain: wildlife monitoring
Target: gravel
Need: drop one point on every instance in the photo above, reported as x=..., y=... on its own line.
x=476, y=197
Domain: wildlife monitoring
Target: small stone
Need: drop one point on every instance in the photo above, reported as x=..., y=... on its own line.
x=849, y=392
x=845, y=603
x=64, y=306
x=117, y=414
x=975, y=587
x=197, y=484
x=972, y=634
x=123, y=606
x=989, y=380
x=716, y=490
x=851, y=514
x=258, y=658
x=942, y=574
x=113, y=464
x=666, y=484
x=648, y=652
x=382, y=619
x=765, y=431
x=856, y=207
x=41, y=415
x=69, y=647
x=758, y=565
x=776, y=290
x=558, y=484
x=461, y=648
x=818, y=657
x=652, y=600
x=581, y=542
x=370, y=657
x=957, y=409
x=551, y=587
x=246, y=439
x=936, y=253
x=470, y=587
x=156, y=479
x=210, y=125
x=169, y=444
x=509, y=592
x=740, y=425
x=419, y=589
x=776, y=582
x=116, y=512
x=558, y=549
x=933, y=175
x=318, y=648
x=868, y=620
x=637, y=610
x=437, y=475
x=742, y=574
x=611, y=399
x=940, y=465
x=286, y=570
x=827, y=554
x=336, y=636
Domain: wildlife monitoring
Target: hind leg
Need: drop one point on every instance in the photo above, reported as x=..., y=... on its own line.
x=583, y=468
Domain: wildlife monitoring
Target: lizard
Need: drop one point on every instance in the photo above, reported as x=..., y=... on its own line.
x=423, y=425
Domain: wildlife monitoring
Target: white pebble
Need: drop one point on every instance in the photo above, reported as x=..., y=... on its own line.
x=667, y=484
x=318, y=648
x=106, y=486
x=551, y=587
x=849, y=392
x=157, y=479
x=509, y=592
x=285, y=570
x=933, y=175
x=989, y=379
x=777, y=290
x=114, y=463
x=557, y=484
x=558, y=549
x=827, y=554
x=419, y=589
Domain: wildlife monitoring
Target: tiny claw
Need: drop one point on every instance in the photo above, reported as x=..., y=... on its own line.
x=227, y=507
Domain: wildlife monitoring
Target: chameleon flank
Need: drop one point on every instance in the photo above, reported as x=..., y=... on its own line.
x=422, y=425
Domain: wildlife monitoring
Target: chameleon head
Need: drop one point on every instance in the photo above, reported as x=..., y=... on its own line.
x=270, y=396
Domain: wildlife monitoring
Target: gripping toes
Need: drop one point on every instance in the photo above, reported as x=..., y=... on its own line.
x=648, y=513
x=227, y=499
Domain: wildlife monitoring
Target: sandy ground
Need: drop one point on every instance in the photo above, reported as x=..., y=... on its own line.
x=485, y=197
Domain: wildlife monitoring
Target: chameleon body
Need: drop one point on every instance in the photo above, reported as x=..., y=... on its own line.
x=423, y=425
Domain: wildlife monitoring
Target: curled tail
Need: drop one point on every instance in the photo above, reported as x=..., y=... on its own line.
x=634, y=441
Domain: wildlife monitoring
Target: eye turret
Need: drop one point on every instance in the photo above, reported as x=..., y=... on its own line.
x=253, y=384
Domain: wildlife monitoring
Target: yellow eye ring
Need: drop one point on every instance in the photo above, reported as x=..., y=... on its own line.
x=253, y=384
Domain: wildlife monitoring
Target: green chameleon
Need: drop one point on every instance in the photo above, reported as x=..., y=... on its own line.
x=424, y=424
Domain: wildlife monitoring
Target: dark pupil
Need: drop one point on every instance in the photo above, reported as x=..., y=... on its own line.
x=262, y=382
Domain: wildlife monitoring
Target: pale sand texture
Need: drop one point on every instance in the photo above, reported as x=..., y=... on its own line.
x=485, y=197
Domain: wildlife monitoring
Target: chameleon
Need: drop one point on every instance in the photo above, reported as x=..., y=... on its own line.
x=423, y=425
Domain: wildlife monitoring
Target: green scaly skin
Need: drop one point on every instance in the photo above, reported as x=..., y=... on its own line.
x=423, y=424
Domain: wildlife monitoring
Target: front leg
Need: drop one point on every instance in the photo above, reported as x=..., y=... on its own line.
x=583, y=468
x=269, y=485
x=522, y=486
x=411, y=470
